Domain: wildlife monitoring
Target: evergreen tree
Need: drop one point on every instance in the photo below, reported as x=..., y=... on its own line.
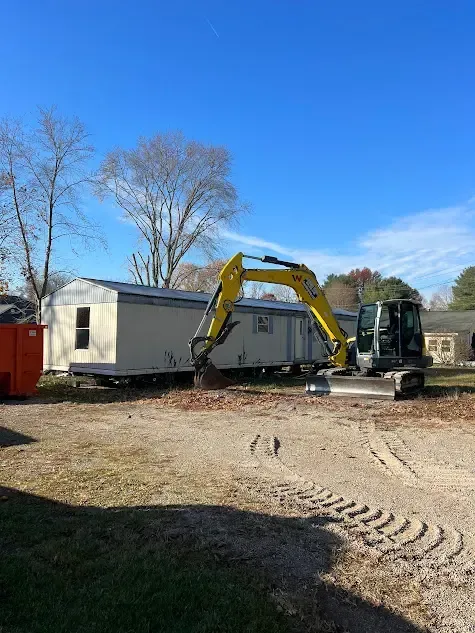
x=464, y=290
x=389, y=288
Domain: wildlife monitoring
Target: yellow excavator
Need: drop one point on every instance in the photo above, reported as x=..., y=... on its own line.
x=384, y=360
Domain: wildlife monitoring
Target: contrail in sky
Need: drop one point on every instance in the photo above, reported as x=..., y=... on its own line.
x=212, y=27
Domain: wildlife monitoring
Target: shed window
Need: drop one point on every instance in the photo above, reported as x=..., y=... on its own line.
x=263, y=324
x=445, y=345
x=82, y=328
x=432, y=345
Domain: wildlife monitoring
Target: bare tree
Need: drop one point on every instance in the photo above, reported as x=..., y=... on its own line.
x=273, y=292
x=178, y=194
x=341, y=295
x=253, y=289
x=55, y=281
x=6, y=218
x=43, y=172
x=284, y=293
x=195, y=278
x=3, y=280
x=441, y=299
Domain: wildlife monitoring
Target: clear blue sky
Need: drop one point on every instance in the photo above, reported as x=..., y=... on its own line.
x=347, y=120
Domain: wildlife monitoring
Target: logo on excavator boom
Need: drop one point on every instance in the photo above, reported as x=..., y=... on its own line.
x=309, y=286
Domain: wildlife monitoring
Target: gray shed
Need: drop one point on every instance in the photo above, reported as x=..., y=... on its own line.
x=121, y=329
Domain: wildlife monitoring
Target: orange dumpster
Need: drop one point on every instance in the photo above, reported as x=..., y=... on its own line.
x=21, y=358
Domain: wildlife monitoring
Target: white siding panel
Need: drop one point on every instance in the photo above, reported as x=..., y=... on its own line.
x=60, y=338
x=80, y=292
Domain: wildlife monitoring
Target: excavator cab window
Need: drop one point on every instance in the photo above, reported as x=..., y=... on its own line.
x=365, y=333
x=389, y=330
x=411, y=333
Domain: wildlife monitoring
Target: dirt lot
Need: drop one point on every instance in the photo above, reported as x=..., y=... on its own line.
x=359, y=515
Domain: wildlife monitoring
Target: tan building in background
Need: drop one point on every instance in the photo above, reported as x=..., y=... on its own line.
x=449, y=335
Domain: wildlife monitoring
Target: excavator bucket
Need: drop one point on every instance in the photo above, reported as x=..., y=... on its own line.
x=210, y=378
x=351, y=386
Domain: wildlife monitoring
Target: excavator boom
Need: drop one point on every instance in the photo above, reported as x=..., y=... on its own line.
x=230, y=281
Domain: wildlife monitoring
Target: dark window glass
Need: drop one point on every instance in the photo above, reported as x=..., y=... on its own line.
x=82, y=339
x=82, y=317
x=389, y=330
x=365, y=333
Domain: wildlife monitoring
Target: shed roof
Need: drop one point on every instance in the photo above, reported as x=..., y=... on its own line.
x=123, y=288
x=448, y=320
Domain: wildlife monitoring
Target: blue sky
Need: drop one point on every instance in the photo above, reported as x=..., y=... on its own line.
x=352, y=124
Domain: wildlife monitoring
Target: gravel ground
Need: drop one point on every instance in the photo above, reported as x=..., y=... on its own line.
x=385, y=495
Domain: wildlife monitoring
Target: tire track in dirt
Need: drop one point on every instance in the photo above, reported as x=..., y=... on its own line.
x=389, y=459
x=392, y=454
x=407, y=538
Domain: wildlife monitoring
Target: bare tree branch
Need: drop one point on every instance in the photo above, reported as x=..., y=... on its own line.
x=178, y=194
x=195, y=278
x=441, y=299
x=43, y=174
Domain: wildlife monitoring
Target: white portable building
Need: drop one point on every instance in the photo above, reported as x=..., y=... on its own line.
x=120, y=329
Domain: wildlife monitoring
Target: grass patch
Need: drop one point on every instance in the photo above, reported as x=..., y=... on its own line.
x=68, y=569
x=451, y=377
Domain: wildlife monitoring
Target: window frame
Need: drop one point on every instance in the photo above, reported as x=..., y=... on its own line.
x=80, y=321
x=432, y=345
x=446, y=345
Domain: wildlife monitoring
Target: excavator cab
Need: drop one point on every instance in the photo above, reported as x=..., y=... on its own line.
x=389, y=336
x=386, y=358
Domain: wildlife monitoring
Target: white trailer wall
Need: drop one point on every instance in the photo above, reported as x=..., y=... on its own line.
x=60, y=337
x=156, y=338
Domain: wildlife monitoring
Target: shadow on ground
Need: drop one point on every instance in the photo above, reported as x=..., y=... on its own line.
x=173, y=569
x=13, y=438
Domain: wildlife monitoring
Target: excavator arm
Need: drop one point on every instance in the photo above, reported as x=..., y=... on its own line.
x=296, y=276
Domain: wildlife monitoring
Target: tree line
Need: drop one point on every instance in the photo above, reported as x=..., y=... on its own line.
x=365, y=286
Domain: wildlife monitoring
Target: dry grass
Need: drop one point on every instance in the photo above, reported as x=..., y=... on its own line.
x=359, y=577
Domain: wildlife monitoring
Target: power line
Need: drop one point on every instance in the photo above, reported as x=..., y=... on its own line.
x=446, y=270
